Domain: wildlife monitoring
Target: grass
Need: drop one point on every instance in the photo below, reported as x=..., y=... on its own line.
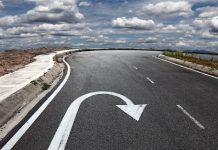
x=189, y=57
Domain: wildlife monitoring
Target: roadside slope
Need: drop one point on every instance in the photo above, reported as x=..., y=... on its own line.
x=21, y=90
x=191, y=65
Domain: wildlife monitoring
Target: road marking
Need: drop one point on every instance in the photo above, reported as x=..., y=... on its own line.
x=150, y=80
x=188, y=68
x=136, y=68
x=134, y=111
x=60, y=138
x=10, y=144
x=191, y=117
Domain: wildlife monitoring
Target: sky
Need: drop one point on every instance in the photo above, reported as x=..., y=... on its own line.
x=157, y=24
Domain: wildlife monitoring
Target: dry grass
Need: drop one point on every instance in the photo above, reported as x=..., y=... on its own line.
x=187, y=57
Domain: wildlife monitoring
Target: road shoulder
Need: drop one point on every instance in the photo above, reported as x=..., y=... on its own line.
x=204, y=69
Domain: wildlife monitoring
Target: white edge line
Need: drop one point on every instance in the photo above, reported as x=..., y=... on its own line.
x=191, y=117
x=150, y=80
x=188, y=68
x=9, y=145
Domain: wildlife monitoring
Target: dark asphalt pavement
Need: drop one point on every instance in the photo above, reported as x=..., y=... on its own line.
x=101, y=125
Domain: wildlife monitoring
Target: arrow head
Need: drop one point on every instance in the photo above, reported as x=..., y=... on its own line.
x=135, y=111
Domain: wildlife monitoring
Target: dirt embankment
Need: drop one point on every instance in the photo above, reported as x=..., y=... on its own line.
x=12, y=60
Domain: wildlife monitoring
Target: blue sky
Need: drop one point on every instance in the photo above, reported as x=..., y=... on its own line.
x=161, y=24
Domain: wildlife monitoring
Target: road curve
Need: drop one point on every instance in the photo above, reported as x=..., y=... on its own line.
x=181, y=111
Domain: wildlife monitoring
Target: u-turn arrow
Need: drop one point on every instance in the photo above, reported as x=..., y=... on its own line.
x=134, y=111
x=61, y=136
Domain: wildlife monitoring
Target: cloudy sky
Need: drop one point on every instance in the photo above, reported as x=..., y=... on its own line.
x=175, y=24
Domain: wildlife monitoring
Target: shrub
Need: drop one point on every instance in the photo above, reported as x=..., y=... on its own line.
x=45, y=86
x=34, y=82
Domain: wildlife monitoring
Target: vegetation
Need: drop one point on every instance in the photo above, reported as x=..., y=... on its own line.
x=45, y=86
x=189, y=57
x=34, y=82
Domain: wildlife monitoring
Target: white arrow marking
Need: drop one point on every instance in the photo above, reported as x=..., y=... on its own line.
x=134, y=111
x=60, y=138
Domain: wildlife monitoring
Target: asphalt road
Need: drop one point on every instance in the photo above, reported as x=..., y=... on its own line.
x=181, y=111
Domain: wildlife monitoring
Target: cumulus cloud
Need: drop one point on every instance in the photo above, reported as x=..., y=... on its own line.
x=48, y=17
x=50, y=11
x=208, y=12
x=207, y=17
x=95, y=38
x=178, y=28
x=182, y=44
x=151, y=40
x=200, y=23
x=207, y=35
x=168, y=9
x=45, y=30
x=47, y=11
x=207, y=20
x=84, y=4
x=214, y=24
x=10, y=21
x=120, y=40
x=133, y=23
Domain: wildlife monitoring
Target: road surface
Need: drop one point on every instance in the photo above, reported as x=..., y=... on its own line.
x=180, y=113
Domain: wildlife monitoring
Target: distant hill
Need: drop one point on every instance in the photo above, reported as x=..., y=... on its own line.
x=201, y=52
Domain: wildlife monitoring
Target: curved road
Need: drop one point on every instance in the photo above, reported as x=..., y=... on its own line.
x=181, y=110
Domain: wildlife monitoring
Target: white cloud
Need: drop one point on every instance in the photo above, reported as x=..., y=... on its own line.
x=178, y=28
x=45, y=30
x=48, y=17
x=208, y=12
x=54, y=11
x=207, y=35
x=84, y=4
x=168, y=9
x=182, y=44
x=95, y=38
x=10, y=20
x=214, y=24
x=151, y=40
x=1, y=4
x=207, y=20
x=120, y=41
x=134, y=23
x=200, y=23
x=208, y=23
x=214, y=44
x=84, y=37
x=47, y=11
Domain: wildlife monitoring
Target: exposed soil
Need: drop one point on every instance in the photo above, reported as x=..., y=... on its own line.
x=12, y=60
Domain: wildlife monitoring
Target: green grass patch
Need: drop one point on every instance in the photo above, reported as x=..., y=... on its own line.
x=189, y=57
